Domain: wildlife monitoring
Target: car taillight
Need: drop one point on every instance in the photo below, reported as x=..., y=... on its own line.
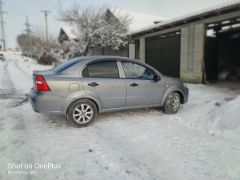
x=41, y=84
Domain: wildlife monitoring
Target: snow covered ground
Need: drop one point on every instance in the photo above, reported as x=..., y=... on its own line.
x=201, y=142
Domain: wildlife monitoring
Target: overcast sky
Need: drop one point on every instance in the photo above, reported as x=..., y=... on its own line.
x=18, y=9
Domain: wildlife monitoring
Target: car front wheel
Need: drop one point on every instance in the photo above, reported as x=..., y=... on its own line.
x=82, y=112
x=172, y=103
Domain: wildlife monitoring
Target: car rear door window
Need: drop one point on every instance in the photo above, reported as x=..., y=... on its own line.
x=106, y=69
x=136, y=71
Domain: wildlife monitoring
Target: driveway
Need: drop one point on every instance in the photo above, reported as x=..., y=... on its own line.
x=137, y=144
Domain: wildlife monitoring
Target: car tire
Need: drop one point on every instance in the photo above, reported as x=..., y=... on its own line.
x=172, y=103
x=82, y=112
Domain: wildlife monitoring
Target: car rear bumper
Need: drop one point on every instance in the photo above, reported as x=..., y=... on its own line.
x=44, y=102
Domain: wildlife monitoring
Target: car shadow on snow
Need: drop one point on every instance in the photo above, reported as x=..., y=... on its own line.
x=128, y=114
x=59, y=121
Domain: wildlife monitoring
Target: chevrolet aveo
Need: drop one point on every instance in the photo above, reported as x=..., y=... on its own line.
x=83, y=87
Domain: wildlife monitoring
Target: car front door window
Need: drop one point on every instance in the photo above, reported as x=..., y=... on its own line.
x=136, y=71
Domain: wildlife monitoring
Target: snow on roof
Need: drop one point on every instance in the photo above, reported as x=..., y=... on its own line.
x=69, y=31
x=139, y=20
x=229, y=4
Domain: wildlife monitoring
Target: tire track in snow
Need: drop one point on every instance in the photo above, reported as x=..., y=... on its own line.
x=17, y=145
x=131, y=161
x=10, y=93
x=11, y=141
x=8, y=90
x=20, y=69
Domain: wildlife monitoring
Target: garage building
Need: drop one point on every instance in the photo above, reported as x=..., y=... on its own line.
x=203, y=46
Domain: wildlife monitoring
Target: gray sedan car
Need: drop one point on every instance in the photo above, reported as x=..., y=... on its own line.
x=83, y=87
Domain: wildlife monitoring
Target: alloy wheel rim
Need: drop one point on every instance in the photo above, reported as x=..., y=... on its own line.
x=83, y=113
x=175, y=103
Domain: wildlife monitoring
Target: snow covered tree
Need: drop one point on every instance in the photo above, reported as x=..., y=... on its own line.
x=95, y=28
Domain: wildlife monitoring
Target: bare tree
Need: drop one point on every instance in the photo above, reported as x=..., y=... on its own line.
x=26, y=47
x=95, y=27
x=23, y=43
x=39, y=46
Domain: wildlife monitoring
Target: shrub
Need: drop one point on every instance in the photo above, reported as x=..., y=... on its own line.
x=46, y=59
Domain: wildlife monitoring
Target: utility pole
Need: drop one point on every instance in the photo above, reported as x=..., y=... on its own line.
x=28, y=32
x=3, y=36
x=45, y=12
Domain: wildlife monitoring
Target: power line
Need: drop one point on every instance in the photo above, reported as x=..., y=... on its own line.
x=46, y=12
x=2, y=23
x=27, y=26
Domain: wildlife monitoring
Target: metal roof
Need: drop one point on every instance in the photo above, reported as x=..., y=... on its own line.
x=205, y=13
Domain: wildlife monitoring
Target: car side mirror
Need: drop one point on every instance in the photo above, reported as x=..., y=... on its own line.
x=157, y=78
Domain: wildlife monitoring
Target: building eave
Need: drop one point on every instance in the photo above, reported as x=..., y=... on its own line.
x=207, y=13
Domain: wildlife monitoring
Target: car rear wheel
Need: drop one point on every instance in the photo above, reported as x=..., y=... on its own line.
x=172, y=103
x=82, y=112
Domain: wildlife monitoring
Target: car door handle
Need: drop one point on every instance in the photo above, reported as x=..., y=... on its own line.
x=134, y=84
x=93, y=84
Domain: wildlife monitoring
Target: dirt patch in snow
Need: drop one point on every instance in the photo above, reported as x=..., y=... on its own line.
x=5, y=94
x=17, y=99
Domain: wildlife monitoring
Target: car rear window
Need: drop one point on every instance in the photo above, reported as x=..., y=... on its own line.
x=73, y=69
x=65, y=65
x=69, y=63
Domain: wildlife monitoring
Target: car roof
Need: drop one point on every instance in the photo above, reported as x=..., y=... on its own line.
x=93, y=58
x=90, y=59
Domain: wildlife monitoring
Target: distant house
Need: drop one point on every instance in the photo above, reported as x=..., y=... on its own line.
x=62, y=36
x=139, y=20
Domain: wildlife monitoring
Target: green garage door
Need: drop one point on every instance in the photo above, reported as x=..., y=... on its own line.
x=163, y=53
